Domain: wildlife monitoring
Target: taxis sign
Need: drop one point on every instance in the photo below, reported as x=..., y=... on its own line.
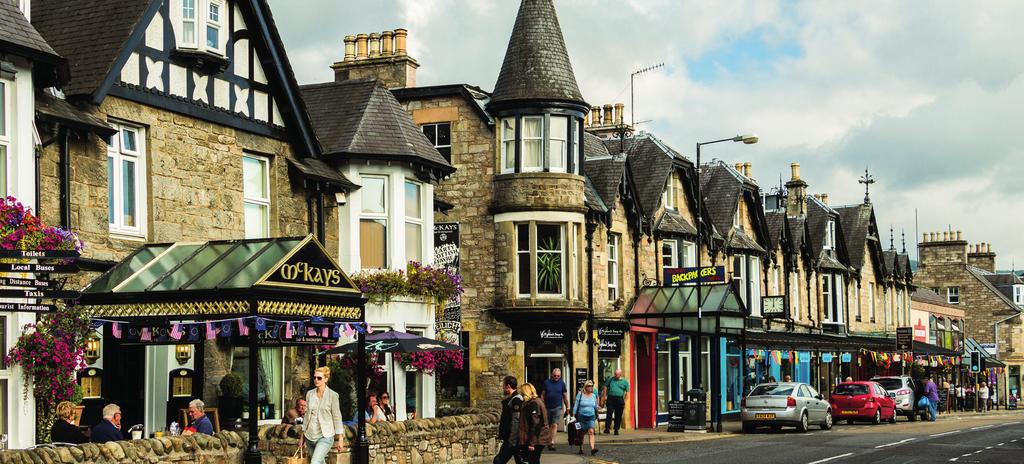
x=677, y=276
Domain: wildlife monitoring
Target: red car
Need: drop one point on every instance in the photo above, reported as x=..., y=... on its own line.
x=862, y=401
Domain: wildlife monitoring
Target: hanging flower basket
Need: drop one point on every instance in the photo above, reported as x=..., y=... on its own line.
x=437, y=284
x=431, y=362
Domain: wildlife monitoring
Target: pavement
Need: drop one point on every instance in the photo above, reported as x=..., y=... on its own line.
x=991, y=437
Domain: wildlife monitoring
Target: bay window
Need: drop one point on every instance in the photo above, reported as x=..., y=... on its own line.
x=200, y=25
x=539, y=143
x=373, y=223
x=833, y=296
x=126, y=199
x=413, y=221
x=256, y=186
x=541, y=259
x=613, y=267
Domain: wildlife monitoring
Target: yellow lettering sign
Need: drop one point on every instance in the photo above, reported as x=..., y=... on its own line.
x=304, y=273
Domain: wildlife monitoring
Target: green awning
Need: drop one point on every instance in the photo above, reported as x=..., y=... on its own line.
x=674, y=309
x=291, y=276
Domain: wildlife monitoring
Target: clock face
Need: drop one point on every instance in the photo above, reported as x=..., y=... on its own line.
x=774, y=305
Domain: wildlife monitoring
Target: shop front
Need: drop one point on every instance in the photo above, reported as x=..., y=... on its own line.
x=173, y=315
x=665, y=328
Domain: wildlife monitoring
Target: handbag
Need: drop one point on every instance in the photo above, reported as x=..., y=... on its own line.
x=923, y=402
x=298, y=458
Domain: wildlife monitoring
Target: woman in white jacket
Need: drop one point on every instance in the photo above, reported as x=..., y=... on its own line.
x=323, y=421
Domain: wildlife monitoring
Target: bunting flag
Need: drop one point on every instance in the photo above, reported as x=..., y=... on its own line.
x=777, y=356
x=369, y=329
x=176, y=332
x=336, y=332
x=146, y=335
x=288, y=331
x=211, y=333
x=326, y=332
x=225, y=329
x=349, y=331
x=261, y=323
x=311, y=331
x=243, y=328
x=115, y=330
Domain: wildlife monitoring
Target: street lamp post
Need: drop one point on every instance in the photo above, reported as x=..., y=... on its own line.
x=748, y=140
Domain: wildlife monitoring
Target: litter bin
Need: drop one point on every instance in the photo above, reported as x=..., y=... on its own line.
x=696, y=407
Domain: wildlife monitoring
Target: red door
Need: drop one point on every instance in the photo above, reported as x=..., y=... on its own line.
x=645, y=381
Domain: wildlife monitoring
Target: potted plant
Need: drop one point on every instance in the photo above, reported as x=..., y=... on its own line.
x=230, y=401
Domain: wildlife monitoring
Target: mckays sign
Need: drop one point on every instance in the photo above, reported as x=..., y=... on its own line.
x=676, y=276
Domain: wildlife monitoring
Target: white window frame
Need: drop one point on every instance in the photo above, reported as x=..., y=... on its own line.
x=1018, y=294
x=614, y=241
x=202, y=20
x=840, y=289
x=740, y=277
x=776, y=286
x=668, y=197
x=574, y=150
x=549, y=155
x=887, y=302
x=754, y=284
x=830, y=235
x=252, y=199
x=953, y=295
x=507, y=127
x=118, y=155
x=414, y=220
x=522, y=144
x=871, y=300
x=859, y=316
x=827, y=288
x=6, y=130
x=794, y=296
x=674, y=261
x=689, y=254
x=388, y=246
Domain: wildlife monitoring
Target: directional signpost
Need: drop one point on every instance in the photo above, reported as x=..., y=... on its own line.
x=38, y=293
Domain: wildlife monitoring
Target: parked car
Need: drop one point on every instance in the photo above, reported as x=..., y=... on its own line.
x=905, y=391
x=792, y=404
x=855, y=401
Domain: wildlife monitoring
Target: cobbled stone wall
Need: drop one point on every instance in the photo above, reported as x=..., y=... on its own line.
x=538, y=192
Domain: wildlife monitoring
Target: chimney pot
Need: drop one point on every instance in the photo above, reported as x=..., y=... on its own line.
x=945, y=236
x=607, y=114
x=374, y=45
x=959, y=235
x=361, y=46
x=739, y=167
x=924, y=237
x=618, y=113
x=595, y=115
x=350, y=48
x=988, y=247
x=824, y=198
x=387, y=43
x=400, y=37
x=747, y=169
x=934, y=236
x=794, y=169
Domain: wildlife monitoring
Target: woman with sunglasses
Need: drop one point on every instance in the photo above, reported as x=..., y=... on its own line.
x=323, y=421
x=384, y=400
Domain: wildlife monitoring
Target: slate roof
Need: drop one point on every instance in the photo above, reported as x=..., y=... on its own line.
x=739, y=240
x=536, y=65
x=776, y=222
x=723, y=191
x=855, y=221
x=363, y=119
x=982, y=276
x=818, y=215
x=591, y=198
x=603, y=170
x=928, y=296
x=1004, y=279
x=475, y=96
x=650, y=162
x=89, y=34
x=51, y=107
x=889, y=261
x=317, y=170
x=671, y=222
x=18, y=37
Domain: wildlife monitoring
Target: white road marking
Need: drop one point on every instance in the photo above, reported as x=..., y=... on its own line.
x=1013, y=441
x=965, y=455
x=1001, y=444
x=988, y=447
x=953, y=460
x=831, y=458
x=944, y=433
x=895, y=443
x=983, y=427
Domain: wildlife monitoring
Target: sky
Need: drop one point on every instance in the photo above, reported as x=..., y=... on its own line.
x=924, y=94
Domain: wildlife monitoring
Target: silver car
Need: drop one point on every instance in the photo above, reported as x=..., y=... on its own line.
x=793, y=404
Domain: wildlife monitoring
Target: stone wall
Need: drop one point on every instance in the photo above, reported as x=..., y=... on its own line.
x=222, y=448
x=538, y=191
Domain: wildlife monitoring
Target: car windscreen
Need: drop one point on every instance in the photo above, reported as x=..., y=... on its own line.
x=851, y=389
x=890, y=384
x=772, y=390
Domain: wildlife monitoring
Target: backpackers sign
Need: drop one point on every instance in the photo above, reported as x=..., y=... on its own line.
x=676, y=276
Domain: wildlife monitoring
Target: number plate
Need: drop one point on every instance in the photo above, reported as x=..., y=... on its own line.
x=764, y=416
x=850, y=412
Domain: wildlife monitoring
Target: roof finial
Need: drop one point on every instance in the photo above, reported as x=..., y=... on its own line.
x=903, y=232
x=867, y=180
x=892, y=239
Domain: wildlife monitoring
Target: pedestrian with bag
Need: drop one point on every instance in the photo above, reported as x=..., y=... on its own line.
x=556, y=400
x=323, y=422
x=508, y=425
x=931, y=392
x=615, y=389
x=534, y=430
x=585, y=413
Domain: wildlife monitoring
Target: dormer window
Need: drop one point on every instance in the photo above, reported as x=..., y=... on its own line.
x=200, y=25
x=830, y=235
x=539, y=143
x=669, y=197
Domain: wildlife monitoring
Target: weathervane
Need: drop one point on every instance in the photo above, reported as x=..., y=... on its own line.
x=867, y=180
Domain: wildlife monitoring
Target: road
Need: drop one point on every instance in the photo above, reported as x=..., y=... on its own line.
x=989, y=439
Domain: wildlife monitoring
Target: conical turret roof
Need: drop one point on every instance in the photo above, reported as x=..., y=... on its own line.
x=536, y=66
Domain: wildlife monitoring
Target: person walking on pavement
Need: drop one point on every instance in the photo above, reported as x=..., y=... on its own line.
x=556, y=400
x=959, y=389
x=508, y=426
x=585, y=413
x=615, y=390
x=533, y=425
x=323, y=422
x=982, y=397
x=993, y=402
x=932, y=392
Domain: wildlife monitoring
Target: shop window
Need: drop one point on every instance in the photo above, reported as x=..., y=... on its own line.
x=126, y=167
x=546, y=259
x=256, y=185
x=200, y=25
x=733, y=378
x=270, y=379
x=5, y=408
x=413, y=221
x=440, y=135
x=664, y=377
x=613, y=267
x=5, y=133
x=373, y=223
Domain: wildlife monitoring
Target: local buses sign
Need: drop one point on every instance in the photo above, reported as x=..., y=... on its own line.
x=676, y=276
x=34, y=293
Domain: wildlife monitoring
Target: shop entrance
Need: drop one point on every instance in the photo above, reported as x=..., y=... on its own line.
x=540, y=365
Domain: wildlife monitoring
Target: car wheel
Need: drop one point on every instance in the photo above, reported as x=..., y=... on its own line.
x=892, y=420
x=748, y=428
x=912, y=417
x=802, y=426
x=827, y=423
x=878, y=417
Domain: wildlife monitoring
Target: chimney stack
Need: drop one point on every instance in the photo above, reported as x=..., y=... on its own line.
x=982, y=257
x=379, y=55
x=824, y=198
x=618, y=113
x=607, y=110
x=796, y=199
x=959, y=235
x=747, y=170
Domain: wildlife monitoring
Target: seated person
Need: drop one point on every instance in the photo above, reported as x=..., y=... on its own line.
x=64, y=429
x=200, y=423
x=294, y=416
x=109, y=429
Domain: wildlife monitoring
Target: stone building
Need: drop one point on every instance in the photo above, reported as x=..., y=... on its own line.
x=952, y=268
x=211, y=142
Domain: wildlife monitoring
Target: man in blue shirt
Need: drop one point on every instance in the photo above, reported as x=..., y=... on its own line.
x=109, y=429
x=200, y=421
x=556, y=400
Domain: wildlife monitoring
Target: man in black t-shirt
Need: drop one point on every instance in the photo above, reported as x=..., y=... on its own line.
x=508, y=426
